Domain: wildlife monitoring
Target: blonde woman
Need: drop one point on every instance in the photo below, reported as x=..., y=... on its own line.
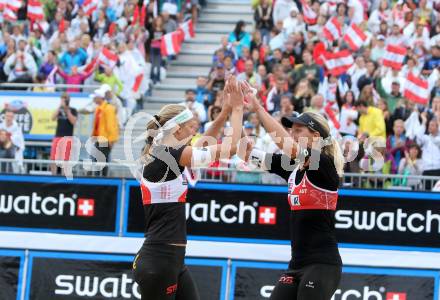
x=159, y=267
x=312, y=171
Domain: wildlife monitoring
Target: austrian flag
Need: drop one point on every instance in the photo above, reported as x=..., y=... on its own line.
x=309, y=15
x=35, y=10
x=416, y=89
x=354, y=37
x=170, y=43
x=187, y=30
x=107, y=58
x=337, y=63
x=394, y=56
x=89, y=6
x=332, y=29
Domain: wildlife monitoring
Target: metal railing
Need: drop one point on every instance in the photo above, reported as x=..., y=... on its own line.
x=125, y=169
x=57, y=87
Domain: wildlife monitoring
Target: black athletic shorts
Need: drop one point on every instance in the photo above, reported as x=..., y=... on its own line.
x=161, y=274
x=313, y=282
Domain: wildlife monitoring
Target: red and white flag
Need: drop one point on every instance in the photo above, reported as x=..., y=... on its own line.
x=89, y=67
x=107, y=58
x=13, y=4
x=394, y=56
x=338, y=63
x=137, y=82
x=170, y=43
x=9, y=14
x=35, y=10
x=50, y=80
x=416, y=89
x=332, y=29
x=309, y=15
x=89, y=6
x=355, y=37
x=187, y=30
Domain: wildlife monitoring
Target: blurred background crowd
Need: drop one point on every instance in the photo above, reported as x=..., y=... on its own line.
x=370, y=67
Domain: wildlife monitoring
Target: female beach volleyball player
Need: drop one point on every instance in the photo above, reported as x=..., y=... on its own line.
x=313, y=178
x=159, y=267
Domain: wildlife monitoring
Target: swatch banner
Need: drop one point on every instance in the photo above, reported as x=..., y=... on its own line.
x=255, y=283
x=93, y=278
x=362, y=217
x=214, y=213
x=9, y=274
x=59, y=204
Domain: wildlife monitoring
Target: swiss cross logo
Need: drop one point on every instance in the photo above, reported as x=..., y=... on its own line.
x=267, y=215
x=396, y=296
x=85, y=208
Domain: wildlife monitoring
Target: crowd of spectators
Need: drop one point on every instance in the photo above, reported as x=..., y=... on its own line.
x=281, y=56
x=63, y=47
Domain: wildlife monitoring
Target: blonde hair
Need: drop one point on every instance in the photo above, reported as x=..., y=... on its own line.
x=333, y=149
x=165, y=114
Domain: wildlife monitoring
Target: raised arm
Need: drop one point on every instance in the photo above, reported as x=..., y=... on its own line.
x=217, y=125
x=279, y=135
x=202, y=157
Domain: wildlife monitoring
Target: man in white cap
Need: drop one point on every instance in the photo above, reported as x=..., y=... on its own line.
x=116, y=102
x=105, y=126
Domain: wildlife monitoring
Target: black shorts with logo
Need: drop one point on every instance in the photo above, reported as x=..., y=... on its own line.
x=161, y=274
x=312, y=282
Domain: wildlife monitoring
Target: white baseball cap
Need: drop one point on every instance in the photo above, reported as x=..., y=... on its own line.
x=98, y=93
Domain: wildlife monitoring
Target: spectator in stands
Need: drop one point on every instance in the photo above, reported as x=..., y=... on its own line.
x=114, y=100
x=348, y=115
x=411, y=165
x=110, y=78
x=302, y=95
x=157, y=30
x=48, y=65
x=203, y=95
x=66, y=118
x=263, y=19
x=371, y=121
x=213, y=114
x=274, y=96
x=195, y=107
x=286, y=108
x=250, y=75
x=75, y=77
x=397, y=144
x=7, y=151
x=430, y=144
x=217, y=80
x=105, y=126
x=73, y=57
x=15, y=132
x=20, y=67
x=308, y=70
x=240, y=38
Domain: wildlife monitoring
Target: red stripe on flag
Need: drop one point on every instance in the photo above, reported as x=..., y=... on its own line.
x=137, y=82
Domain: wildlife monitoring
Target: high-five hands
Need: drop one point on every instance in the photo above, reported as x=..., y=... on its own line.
x=234, y=92
x=250, y=96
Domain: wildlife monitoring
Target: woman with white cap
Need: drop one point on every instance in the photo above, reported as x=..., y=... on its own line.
x=311, y=163
x=159, y=267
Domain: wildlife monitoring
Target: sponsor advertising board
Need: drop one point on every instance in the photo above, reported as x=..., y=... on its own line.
x=11, y=269
x=67, y=276
x=261, y=213
x=221, y=214
x=34, y=111
x=256, y=281
x=57, y=204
